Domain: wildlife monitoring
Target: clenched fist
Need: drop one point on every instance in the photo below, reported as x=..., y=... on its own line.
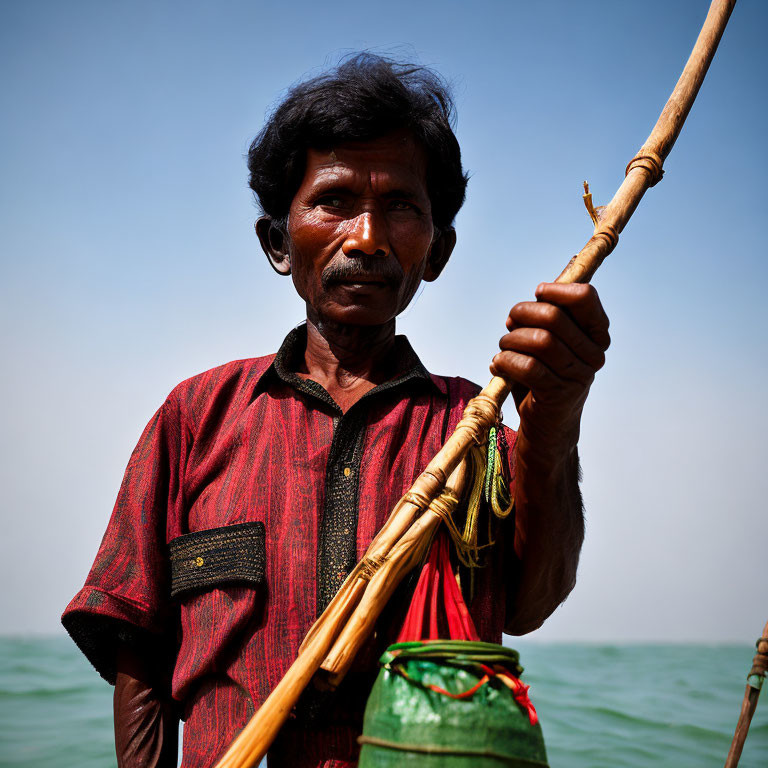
x=554, y=347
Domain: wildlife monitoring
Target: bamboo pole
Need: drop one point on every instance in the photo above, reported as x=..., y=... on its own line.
x=749, y=704
x=396, y=545
x=643, y=171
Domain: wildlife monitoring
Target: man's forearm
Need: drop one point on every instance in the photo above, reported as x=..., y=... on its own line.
x=146, y=723
x=554, y=347
x=549, y=531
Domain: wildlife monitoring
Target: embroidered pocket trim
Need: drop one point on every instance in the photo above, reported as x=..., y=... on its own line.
x=232, y=554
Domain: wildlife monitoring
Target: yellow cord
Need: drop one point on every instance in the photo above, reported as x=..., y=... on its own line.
x=487, y=483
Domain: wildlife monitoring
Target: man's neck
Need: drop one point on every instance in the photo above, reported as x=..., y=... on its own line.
x=348, y=361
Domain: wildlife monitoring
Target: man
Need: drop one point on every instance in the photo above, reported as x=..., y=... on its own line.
x=257, y=485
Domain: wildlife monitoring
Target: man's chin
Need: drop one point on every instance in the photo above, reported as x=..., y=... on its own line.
x=356, y=315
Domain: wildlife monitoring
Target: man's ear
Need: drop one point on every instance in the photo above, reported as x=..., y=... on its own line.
x=439, y=253
x=274, y=243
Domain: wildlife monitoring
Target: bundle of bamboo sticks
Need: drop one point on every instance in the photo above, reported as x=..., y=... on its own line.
x=346, y=623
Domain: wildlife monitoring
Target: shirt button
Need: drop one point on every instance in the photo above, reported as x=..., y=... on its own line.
x=347, y=471
x=199, y=561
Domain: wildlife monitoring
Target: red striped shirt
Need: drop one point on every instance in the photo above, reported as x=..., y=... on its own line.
x=251, y=442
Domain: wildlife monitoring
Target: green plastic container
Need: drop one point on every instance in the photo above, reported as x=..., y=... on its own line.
x=409, y=724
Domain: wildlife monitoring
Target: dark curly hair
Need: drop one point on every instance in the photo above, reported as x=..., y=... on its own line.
x=365, y=97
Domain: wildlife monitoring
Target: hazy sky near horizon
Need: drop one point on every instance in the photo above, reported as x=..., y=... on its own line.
x=129, y=263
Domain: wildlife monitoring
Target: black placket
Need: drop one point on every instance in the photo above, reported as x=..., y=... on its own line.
x=337, y=534
x=337, y=528
x=337, y=542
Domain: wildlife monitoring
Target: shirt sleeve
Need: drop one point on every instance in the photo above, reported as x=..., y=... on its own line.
x=125, y=597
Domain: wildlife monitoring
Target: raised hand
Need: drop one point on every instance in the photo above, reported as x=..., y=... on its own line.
x=554, y=347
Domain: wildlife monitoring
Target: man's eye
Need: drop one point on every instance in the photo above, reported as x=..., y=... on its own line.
x=402, y=205
x=331, y=201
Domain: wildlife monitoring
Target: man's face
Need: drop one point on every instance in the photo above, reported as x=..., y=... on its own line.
x=360, y=230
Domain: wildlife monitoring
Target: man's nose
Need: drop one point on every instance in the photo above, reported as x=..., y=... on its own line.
x=367, y=236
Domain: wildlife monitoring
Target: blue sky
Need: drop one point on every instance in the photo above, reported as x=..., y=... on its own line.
x=129, y=263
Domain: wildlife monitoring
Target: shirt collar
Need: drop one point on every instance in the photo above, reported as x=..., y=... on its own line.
x=289, y=357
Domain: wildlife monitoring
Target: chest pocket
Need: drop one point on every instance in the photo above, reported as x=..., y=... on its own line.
x=218, y=557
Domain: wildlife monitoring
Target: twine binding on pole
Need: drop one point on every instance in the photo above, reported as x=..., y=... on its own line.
x=759, y=664
x=650, y=162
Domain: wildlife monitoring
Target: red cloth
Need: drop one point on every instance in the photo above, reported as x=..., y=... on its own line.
x=249, y=442
x=437, y=599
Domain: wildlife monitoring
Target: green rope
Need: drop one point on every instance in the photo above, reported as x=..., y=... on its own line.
x=496, y=488
x=487, y=484
x=490, y=463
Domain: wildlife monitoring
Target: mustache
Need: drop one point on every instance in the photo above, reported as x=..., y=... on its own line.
x=361, y=268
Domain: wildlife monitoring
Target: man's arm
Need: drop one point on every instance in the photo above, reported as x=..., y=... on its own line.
x=146, y=723
x=554, y=347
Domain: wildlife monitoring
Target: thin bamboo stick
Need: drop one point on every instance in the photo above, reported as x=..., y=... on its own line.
x=749, y=704
x=393, y=545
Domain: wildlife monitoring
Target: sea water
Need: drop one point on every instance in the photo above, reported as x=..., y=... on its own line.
x=601, y=706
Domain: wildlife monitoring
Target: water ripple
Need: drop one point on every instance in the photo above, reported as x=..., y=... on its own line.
x=600, y=706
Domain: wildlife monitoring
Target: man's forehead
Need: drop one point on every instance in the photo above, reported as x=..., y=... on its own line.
x=395, y=152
